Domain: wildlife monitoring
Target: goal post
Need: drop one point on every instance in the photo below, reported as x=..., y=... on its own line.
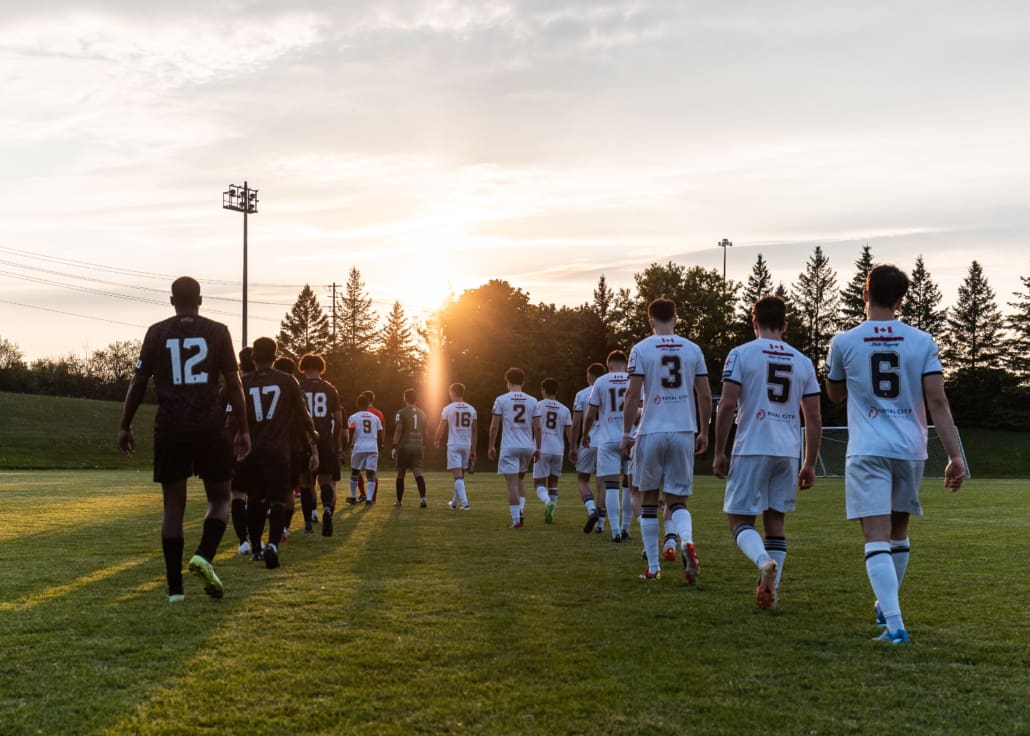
x=834, y=447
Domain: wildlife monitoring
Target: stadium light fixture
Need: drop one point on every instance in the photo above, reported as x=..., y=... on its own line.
x=242, y=199
x=724, y=244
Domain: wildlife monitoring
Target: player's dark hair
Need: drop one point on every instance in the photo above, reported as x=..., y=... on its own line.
x=186, y=292
x=370, y=394
x=515, y=376
x=247, y=359
x=887, y=284
x=362, y=401
x=458, y=389
x=770, y=312
x=409, y=395
x=549, y=386
x=617, y=356
x=662, y=310
x=285, y=365
x=312, y=361
x=264, y=350
x=596, y=370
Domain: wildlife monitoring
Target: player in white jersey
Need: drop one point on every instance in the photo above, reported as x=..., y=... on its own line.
x=366, y=435
x=670, y=369
x=552, y=428
x=769, y=384
x=891, y=374
x=458, y=421
x=606, y=403
x=583, y=454
x=518, y=448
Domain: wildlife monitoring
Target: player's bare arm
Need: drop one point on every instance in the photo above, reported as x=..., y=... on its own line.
x=812, y=412
x=441, y=430
x=338, y=432
x=234, y=391
x=940, y=410
x=495, y=424
x=133, y=399
x=629, y=412
x=703, y=391
x=723, y=424
x=475, y=439
x=588, y=424
x=577, y=425
x=836, y=391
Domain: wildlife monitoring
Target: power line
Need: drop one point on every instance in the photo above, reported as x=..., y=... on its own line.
x=71, y=314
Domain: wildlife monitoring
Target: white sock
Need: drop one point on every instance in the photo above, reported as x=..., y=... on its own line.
x=590, y=505
x=552, y=495
x=627, y=509
x=522, y=504
x=611, y=500
x=459, y=491
x=371, y=486
x=776, y=547
x=681, y=523
x=884, y=581
x=750, y=543
x=516, y=513
x=649, y=533
x=353, y=486
x=899, y=556
x=541, y=493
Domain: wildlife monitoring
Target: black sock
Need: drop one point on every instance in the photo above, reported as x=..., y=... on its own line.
x=214, y=529
x=276, y=522
x=400, y=488
x=173, y=563
x=307, y=497
x=420, y=481
x=238, y=513
x=327, y=497
x=256, y=514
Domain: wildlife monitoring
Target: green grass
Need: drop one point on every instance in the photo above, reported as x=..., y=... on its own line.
x=411, y=621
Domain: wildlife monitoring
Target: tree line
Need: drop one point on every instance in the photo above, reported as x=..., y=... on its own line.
x=476, y=336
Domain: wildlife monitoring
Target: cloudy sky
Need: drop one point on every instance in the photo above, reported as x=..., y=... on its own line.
x=435, y=144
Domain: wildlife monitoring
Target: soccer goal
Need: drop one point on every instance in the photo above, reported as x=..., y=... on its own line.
x=833, y=450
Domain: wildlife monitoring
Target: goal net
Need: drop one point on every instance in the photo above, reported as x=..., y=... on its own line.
x=833, y=450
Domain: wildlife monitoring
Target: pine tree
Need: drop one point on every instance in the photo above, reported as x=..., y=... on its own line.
x=759, y=284
x=852, y=305
x=814, y=307
x=1018, y=344
x=919, y=308
x=357, y=324
x=305, y=328
x=603, y=301
x=397, y=351
x=974, y=324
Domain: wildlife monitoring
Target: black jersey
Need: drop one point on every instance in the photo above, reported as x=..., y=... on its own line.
x=186, y=355
x=276, y=412
x=323, y=401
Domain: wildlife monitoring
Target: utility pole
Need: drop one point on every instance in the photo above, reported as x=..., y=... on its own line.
x=332, y=309
x=242, y=199
x=724, y=244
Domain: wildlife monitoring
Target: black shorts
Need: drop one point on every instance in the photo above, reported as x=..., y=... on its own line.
x=409, y=458
x=208, y=457
x=265, y=478
x=328, y=462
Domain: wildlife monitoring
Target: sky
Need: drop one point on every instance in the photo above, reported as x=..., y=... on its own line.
x=437, y=145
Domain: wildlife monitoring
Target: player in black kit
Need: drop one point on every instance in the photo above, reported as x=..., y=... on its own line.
x=327, y=412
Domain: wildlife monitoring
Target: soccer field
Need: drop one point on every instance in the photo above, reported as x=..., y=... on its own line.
x=434, y=621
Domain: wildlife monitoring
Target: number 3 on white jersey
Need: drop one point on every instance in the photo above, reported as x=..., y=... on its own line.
x=180, y=370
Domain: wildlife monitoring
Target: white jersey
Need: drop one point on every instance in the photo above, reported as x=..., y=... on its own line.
x=609, y=396
x=515, y=409
x=883, y=364
x=773, y=379
x=365, y=427
x=669, y=364
x=581, y=404
x=554, y=418
x=459, y=417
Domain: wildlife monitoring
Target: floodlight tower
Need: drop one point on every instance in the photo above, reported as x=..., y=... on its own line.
x=724, y=244
x=242, y=199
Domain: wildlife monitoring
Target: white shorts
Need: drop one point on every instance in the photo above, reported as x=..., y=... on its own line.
x=514, y=460
x=586, y=462
x=665, y=461
x=364, y=460
x=609, y=460
x=547, y=466
x=760, y=482
x=876, y=486
x=458, y=457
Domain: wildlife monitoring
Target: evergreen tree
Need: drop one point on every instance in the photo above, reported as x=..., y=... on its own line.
x=603, y=302
x=1018, y=344
x=974, y=325
x=814, y=307
x=919, y=308
x=852, y=305
x=357, y=324
x=759, y=284
x=305, y=328
x=397, y=351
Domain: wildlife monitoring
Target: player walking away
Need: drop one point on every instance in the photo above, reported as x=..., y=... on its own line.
x=278, y=414
x=186, y=354
x=552, y=428
x=327, y=412
x=606, y=404
x=891, y=374
x=583, y=453
x=409, y=440
x=670, y=369
x=458, y=422
x=769, y=384
x=366, y=436
x=298, y=451
x=238, y=503
x=514, y=410
x=382, y=418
